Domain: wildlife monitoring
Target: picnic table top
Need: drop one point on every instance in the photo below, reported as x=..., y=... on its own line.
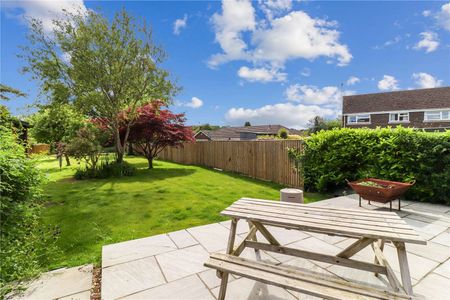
x=335, y=221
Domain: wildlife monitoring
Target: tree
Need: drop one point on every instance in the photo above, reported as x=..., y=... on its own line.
x=87, y=145
x=156, y=128
x=247, y=124
x=206, y=126
x=56, y=125
x=5, y=89
x=102, y=67
x=283, y=133
x=318, y=123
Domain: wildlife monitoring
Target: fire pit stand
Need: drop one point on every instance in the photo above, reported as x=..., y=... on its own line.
x=378, y=190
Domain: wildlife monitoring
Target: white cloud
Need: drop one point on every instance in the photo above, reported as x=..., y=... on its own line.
x=443, y=16
x=272, y=8
x=426, y=13
x=237, y=16
x=425, y=80
x=288, y=114
x=305, y=72
x=261, y=74
x=44, y=10
x=194, y=103
x=353, y=80
x=274, y=40
x=297, y=35
x=329, y=96
x=388, y=83
x=179, y=24
x=429, y=41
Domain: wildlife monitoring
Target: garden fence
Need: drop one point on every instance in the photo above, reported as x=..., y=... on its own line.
x=267, y=160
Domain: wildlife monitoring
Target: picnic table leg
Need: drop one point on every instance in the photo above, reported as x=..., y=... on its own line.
x=398, y=204
x=381, y=245
x=230, y=245
x=404, y=268
x=257, y=253
x=359, y=201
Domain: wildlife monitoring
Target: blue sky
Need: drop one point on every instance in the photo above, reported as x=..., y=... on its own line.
x=278, y=62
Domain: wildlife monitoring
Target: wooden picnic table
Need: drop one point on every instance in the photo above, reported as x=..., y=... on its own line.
x=373, y=228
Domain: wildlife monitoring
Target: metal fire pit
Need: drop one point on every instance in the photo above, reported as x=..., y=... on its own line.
x=389, y=190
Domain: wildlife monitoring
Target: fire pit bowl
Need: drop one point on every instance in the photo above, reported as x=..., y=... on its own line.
x=379, y=190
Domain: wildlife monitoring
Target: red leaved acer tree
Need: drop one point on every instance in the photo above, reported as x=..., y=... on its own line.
x=155, y=129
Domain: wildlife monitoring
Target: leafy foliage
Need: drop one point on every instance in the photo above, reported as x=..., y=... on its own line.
x=107, y=66
x=156, y=129
x=5, y=90
x=317, y=124
x=397, y=154
x=25, y=244
x=206, y=126
x=283, y=133
x=57, y=123
x=86, y=146
x=106, y=169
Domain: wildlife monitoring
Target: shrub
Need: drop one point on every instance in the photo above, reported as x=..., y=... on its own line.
x=283, y=133
x=25, y=243
x=86, y=146
x=106, y=169
x=397, y=154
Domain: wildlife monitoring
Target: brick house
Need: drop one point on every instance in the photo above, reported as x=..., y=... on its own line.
x=424, y=108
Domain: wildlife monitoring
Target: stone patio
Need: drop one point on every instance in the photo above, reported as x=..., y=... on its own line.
x=65, y=283
x=170, y=266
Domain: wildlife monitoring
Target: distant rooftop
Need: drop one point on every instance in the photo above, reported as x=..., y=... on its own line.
x=235, y=132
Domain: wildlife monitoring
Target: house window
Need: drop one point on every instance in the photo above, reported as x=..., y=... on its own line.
x=437, y=115
x=358, y=119
x=399, y=117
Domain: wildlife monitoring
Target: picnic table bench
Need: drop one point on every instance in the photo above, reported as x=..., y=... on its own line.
x=373, y=228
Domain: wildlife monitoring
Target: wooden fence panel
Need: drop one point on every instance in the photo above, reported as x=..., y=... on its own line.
x=267, y=160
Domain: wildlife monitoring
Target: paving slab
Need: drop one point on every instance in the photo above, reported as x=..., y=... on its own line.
x=209, y=277
x=318, y=246
x=427, y=230
x=182, y=238
x=189, y=288
x=183, y=262
x=135, y=249
x=213, y=237
x=442, y=238
x=431, y=250
x=429, y=218
x=419, y=266
x=59, y=284
x=127, y=278
x=246, y=289
x=86, y=295
x=444, y=269
x=330, y=239
x=433, y=287
x=438, y=209
x=242, y=226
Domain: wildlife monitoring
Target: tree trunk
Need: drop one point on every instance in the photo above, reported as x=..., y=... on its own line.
x=67, y=160
x=150, y=162
x=121, y=145
x=119, y=148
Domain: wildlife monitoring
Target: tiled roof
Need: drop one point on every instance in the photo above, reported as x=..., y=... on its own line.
x=234, y=132
x=399, y=100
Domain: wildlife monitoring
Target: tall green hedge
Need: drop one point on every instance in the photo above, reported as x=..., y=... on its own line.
x=25, y=245
x=397, y=154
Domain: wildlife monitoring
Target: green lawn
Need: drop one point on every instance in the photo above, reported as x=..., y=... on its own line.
x=92, y=213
